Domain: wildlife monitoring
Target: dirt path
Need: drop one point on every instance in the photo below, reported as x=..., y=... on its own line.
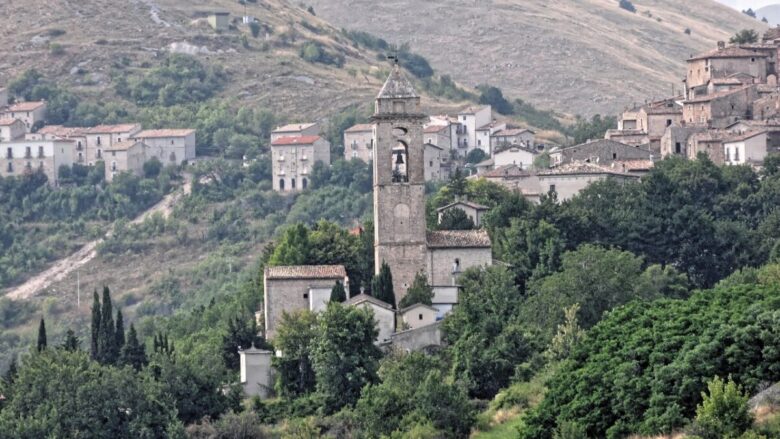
x=63, y=267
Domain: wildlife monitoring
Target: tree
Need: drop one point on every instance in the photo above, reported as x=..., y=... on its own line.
x=382, y=285
x=494, y=97
x=568, y=335
x=723, y=412
x=456, y=219
x=41, y=336
x=457, y=184
x=10, y=374
x=745, y=36
x=475, y=156
x=107, y=336
x=71, y=342
x=585, y=130
x=94, y=346
x=152, y=168
x=749, y=12
x=344, y=357
x=239, y=335
x=627, y=5
x=119, y=333
x=419, y=292
x=293, y=248
x=133, y=353
x=295, y=337
x=337, y=293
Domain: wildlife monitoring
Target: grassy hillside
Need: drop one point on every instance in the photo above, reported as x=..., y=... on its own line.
x=572, y=56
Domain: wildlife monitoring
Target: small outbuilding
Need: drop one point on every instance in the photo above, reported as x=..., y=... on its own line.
x=256, y=372
x=419, y=315
x=383, y=314
x=473, y=210
x=219, y=20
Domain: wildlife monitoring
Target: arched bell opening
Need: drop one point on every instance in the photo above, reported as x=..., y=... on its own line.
x=400, y=161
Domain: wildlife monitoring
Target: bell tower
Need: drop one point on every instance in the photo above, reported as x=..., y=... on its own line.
x=399, y=182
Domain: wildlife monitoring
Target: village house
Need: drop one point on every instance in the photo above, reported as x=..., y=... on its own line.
x=434, y=157
x=169, y=146
x=766, y=107
x=646, y=124
x=288, y=289
x=219, y=20
x=451, y=252
x=709, y=142
x=770, y=126
x=447, y=134
x=470, y=120
x=722, y=63
x=11, y=129
x=104, y=136
x=675, y=139
x=125, y=156
x=439, y=135
x=513, y=137
x=33, y=113
x=601, y=152
x=359, y=142
x=721, y=109
x=418, y=315
x=292, y=159
x=517, y=154
x=472, y=210
x=383, y=314
x=485, y=135
x=296, y=130
x=750, y=148
x=24, y=156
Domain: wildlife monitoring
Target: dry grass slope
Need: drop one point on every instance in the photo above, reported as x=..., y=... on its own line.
x=572, y=56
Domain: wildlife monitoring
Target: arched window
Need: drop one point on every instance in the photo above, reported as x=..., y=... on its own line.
x=292, y=183
x=399, y=162
x=281, y=184
x=304, y=183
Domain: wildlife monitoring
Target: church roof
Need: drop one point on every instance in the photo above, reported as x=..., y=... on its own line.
x=360, y=298
x=306, y=272
x=458, y=239
x=464, y=203
x=397, y=86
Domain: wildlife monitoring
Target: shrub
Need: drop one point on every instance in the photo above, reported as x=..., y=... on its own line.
x=627, y=5
x=254, y=27
x=724, y=411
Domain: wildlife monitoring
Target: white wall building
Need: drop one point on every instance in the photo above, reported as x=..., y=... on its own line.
x=750, y=148
x=256, y=372
x=169, y=146
x=296, y=130
x=11, y=129
x=471, y=119
x=104, y=136
x=292, y=159
x=31, y=113
x=383, y=314
x=359, y=142
x=25, y=156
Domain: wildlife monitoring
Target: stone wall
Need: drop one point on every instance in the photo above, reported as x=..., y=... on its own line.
x=288, y=296
x=415, y=340
x=440, y=263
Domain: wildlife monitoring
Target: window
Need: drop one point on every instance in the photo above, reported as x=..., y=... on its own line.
x=113, y=153
x=99, y=154
x=10, y=167
x=78, y=146
x=81, y=157
x=677, y=148
x=668, y=122
x=479, y=142
x=9, y=153
x=304, y=183
x=113, y=166
x=399, y=159
x=430, y=163
x=736, y=154
x=456, y=266
x=292, y=183
x=98, y=140
x=552, y=188
x=281, y=184
x=420, y=317
x=614, y=156
x=27, y=152
x=40, y=152
x=305, y=295
x=119, y=139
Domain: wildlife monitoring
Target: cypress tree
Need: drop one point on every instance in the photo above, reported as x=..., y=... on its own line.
x=119, y=333
x=94, y=346
x=133, y=353
x=42, y=336
x=338, y=293
x=382, y=285
x=107, y=337
x=71, y=342
x=10, y=374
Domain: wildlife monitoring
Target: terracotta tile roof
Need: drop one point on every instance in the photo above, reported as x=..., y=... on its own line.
x=434, y=129
x=306, y=272
x=728, y=52
x=603, y=143
x=485, y=163
x=113, y=129
x=574, y=168
x=417, y=305
x=293, y=127
x=720, y=94
x=490, y=125
x=123, y=146
x=361, y=298
x=465, y=203
x=458, y=239
x=434, y=146
x=360, y=128
x=506, y=171
x=8, y=121
x=151, y=134
x=743, y=136
x=26, y=106
x=295, y=140
x=62, y=131
x=509, y=147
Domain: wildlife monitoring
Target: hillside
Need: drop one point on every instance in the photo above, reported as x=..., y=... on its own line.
x=771, y=13
x=573, y=56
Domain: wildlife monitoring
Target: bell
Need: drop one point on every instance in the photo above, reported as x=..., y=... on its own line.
x=399, y=158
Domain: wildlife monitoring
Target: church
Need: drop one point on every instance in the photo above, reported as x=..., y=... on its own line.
x=401, y=238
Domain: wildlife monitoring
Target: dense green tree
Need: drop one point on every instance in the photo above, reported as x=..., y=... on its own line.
x=71, y=342
x=419, y=292
x=724, y=412
x=239, y=335
x=456, y=219
x=585, y=130
x=494, y=97
x=107, y=353
x=133, y=353
x=338, y=293
x=457, y=184
x=293, y=248
x=10, y=374
x=745, y=36
x=119, y=333
x=344, y=357
x=382, y=285
x=41, y=336
x=532, y=247
x=476, y=155
x=94, y=346
x=295, y=336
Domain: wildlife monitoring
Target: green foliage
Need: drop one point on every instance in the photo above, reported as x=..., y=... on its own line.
x=295, y=335
x=627, y=5
x=745, y=36
x=133, y=353
x=71, y=342
x=41, y=336
x=239, y=335
x=476, y=155
x=61, y=394
x=418, y=292
x=645, y=364
x=585, y=130
x=353, y=174
x=445, y=87
x=723, y=412
x=494, y=97
x=456, y=219
x=338, y=294
x=382, y=285
x=254, y=27
x=344, y=358
x=569, y=333
x=179, y=79
x=315, y=52
x=545, y=120
x=152, y=168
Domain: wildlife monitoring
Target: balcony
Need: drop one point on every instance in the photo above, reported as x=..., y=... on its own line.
x=304, y=158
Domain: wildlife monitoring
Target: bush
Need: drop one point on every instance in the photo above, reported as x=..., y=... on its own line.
x=314, y=52
x=724, y=411
x=56, y=49
x=627, y=5
x=254, y=27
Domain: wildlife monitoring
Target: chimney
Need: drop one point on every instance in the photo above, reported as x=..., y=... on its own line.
x=721, y=45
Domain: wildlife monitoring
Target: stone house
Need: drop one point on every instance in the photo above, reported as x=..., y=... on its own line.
x=472, y=210
x=771, y=126
x=721, y=109
x=219, y=20
x=24, y=156
x=485, y=135
x=32, y=113
x=125, y=156
x=434, y=156
x=451, y=252
x=441, y=136
x=766, y=107
x=721, y=63
x=450, y=127
x=359, y=142
x=104, y=136
x=470, y=120
x=287, y=289
x=418, y=315
x=601, y=152
x=76, y=134
x=296, y=130
x=11, y=129
x=292, y=159
x=708, y=142
x=750, y=148
x=169, y=146
x=256, y=374
x=675, y=139
x=516, y=154
x=646, y=124
x=383, y=314
x=512, y=137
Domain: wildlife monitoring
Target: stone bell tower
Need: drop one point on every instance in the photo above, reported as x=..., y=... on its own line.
x=399, y=182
